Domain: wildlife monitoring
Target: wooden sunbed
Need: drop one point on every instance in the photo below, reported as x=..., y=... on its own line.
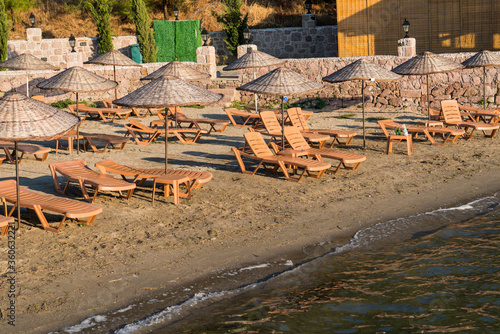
x=342, y=137
x=135, y=111
x=452, y=117
x=448, y=134
x=246, y=117
x=256, y=149
x=197, y=179
x=185, y=136
x=114, y=141
x=216, y=125
x=39, y=152
x=39, y=203
x=301, y=148
x=77, y=171
x=142, y=134
x=107, y=115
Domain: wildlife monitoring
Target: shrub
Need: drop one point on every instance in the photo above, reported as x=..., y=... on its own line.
x=234, y=24
x=101, y=11
x=144, y=33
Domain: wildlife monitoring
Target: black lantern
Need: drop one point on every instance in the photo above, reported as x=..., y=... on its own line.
x=247, y=34
x=308, y=6
x=406, y=27
x=176, y=13
x=72, y=42
x=204, y=36
x=32, y=20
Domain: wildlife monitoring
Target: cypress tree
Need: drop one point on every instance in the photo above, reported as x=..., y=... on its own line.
x=101, y=11
x=4, y=32
x=145, y=36
x=234, y=23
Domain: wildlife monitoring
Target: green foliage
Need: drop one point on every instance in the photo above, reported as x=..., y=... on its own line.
x=63, y=104
x=195, y=106
x=4, y=32
x=144, y=34
x=345, y=116
x=101, y=10
x=238, y=105
x=316, y=103
x=375, y=119
x=234, y=23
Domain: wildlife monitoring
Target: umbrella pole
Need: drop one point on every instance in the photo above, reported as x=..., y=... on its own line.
x=116, y=88
x=27, y=84
x=363, y=97
x=282, y=123
x=428, y=100
x=484, y=87
x=255, y=94
x=166, y=142
x=175, y=110
x=18, y=201
x=77, y=128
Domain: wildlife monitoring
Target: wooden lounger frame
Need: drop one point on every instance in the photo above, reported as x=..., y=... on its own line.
x=36, y=150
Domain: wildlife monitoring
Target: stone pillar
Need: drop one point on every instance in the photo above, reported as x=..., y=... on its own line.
x=34, y=34
x=407, y=47
x=244, y=48
x=205, y=55
x=73, y=59
x=308, y=21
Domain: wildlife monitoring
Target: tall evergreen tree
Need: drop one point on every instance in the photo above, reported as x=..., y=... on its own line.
x=144, y=33
x=234, y=23
x=4, y=32
x=101, y=11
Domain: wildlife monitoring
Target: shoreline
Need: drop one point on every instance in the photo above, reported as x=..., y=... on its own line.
x=234, y=221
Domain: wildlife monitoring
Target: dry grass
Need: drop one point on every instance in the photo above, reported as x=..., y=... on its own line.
x=59, y=20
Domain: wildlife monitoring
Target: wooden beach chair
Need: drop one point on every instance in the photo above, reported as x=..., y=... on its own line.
x=300, y=148
x=39, y=203
x=274, y=130
x=39, y=152
x=447, y=134
x=142, y=134
x=342, y=137
x=256, y=149
x=185, y=136
x=216, y=125
x=246, y=117
x=114, y=141
x=135, y=111
x=78, y=172
x=452, y=117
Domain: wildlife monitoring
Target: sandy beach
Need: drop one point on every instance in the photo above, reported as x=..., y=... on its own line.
x=137, y=250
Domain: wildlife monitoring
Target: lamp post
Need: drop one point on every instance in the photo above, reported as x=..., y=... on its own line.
x=72, y=43
x=32, y=20
x=406, y=28
x=246, y=35
x=204, y=36
x=308, y=6
x=176, y=13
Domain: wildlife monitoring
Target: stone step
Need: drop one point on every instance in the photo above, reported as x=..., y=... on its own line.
x=230, y=94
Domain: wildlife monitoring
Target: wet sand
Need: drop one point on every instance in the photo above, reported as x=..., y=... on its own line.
x=137, y=250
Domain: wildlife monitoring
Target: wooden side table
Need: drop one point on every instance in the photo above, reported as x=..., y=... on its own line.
x=398, y=138
x=171, y=183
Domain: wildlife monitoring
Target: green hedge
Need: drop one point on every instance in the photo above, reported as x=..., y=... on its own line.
x=177, y=39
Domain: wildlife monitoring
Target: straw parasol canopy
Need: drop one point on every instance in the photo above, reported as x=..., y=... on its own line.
x=284, y=82
x=115, y=58
x=168, y=91
x=424, y=64
x=78, y=80
x=22, y=118
x=253, y=59
x=178, y=69
x=483, y=59
x=27, y=62
x=363, y=70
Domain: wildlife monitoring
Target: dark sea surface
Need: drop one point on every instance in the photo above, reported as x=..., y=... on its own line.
x=437, y=272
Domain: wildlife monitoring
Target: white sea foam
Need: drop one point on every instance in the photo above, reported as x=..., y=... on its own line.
x=89, y=322
x=125, y=309
x=264, y=265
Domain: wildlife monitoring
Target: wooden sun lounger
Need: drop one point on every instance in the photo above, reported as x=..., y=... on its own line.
x=448, y=134
x=197, y=179
x=452, y=117
x=342, y=137
x=142, y=134
x=300, y=148
x=77, y=171
x=5, y=221
x=43, y=202
x=263, y=155
x=39, y=152
x=115, y=142
x=249, y=118
x=186, y=136
x=107, y=115
x=216, y=125
x=135, y=111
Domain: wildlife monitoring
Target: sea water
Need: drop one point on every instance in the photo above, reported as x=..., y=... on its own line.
x=437, y=272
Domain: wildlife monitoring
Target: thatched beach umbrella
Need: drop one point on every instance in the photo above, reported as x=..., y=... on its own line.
x=115, y=58
x=424, y=64
x=283, y=82
x=27, y=62
x=22, y=118
x=168, y=91
x=253, y=59
x=483, y=59
x=179, y=70
x=362, y=70
x=78, y=80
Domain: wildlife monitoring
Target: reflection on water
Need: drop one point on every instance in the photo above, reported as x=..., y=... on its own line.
x=443, y=282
